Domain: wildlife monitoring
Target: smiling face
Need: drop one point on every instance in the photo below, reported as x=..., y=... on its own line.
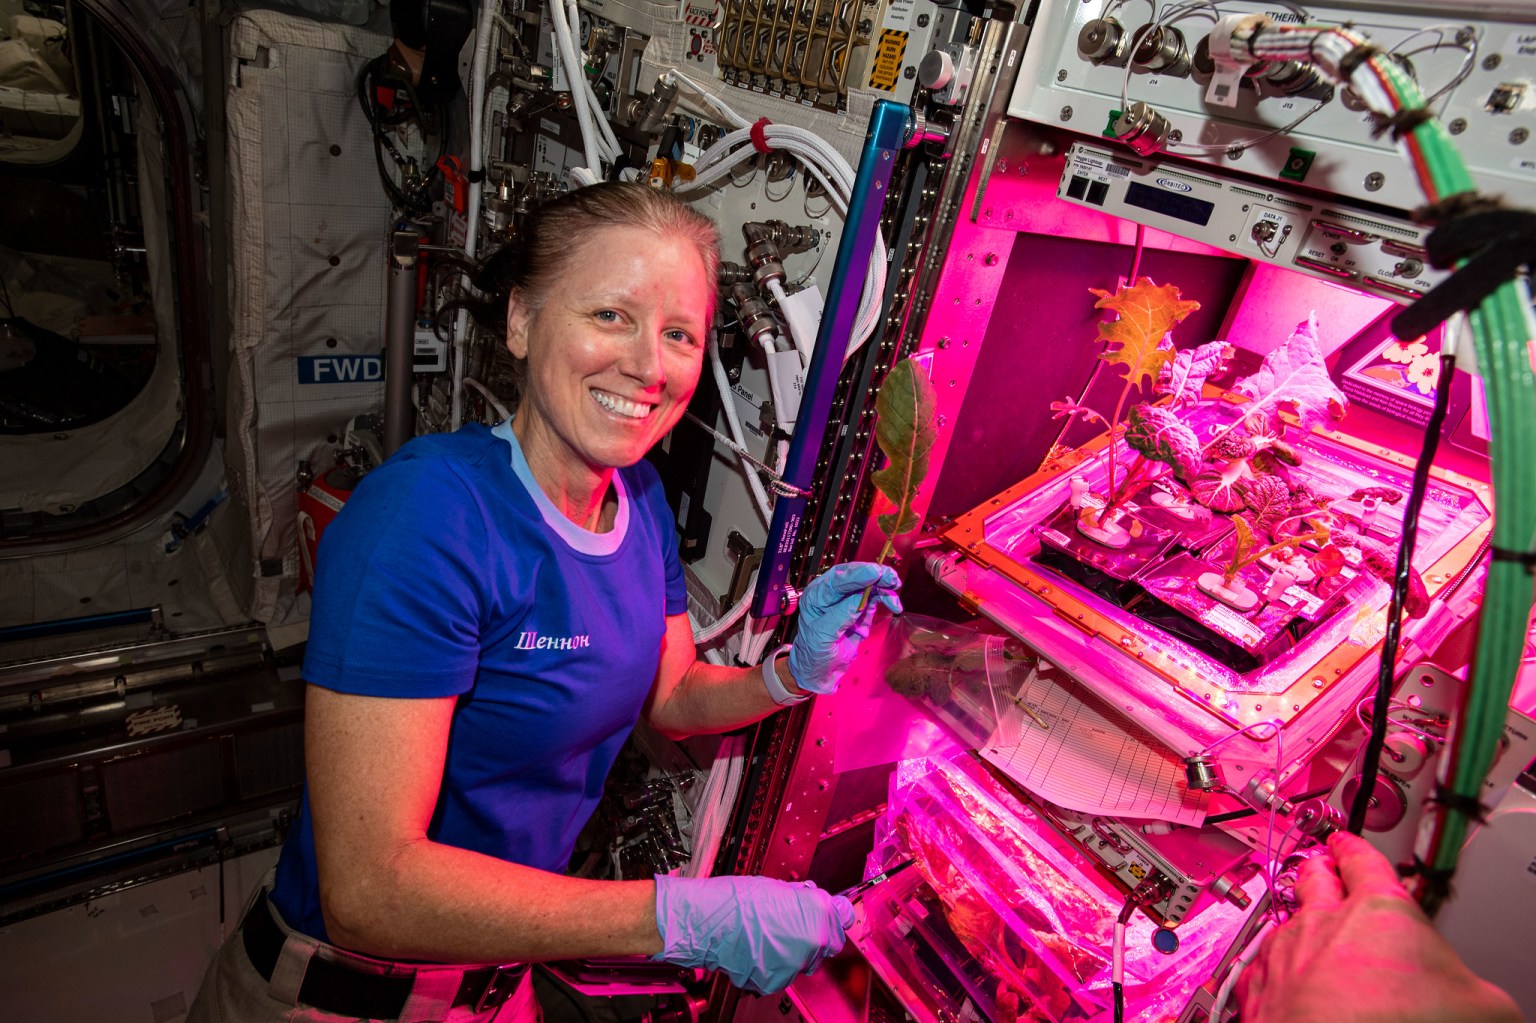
x=613, y=348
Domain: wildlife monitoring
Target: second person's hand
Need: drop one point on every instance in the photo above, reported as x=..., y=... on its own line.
x=1359, y=950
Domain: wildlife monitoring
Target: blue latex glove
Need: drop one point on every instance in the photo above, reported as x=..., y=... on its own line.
x=832, y=626
x=758, y=931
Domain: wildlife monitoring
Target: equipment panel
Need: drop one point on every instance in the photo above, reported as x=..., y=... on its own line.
x=1334, y=241
x=1146, y=76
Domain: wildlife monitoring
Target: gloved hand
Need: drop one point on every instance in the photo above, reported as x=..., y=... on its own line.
x=758, y=931
x=831, y=624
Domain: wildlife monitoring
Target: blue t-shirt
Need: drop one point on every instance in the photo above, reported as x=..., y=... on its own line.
x=450, y=573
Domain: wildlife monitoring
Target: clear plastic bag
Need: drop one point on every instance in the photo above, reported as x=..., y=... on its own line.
x=1026, y=907
x=959, y=670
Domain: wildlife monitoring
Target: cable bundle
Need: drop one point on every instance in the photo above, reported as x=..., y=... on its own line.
x=821, y=161
x=1502, y=326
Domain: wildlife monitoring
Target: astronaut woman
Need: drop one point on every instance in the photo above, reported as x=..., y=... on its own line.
x=494, y=610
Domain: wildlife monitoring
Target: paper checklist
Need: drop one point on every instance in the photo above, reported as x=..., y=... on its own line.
x=1063, y=743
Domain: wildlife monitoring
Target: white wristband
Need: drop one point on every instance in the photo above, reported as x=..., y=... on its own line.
x=776, y=691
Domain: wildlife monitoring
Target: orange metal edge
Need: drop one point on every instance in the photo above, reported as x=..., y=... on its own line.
x=968, y=535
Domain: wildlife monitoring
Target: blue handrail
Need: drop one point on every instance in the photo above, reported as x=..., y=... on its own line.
x=887, y=131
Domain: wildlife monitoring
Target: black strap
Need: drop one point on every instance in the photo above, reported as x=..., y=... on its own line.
x=1401, y=123
x=1354, y=58
x=327, y=985
x=1494, y=241
x=336, y=987
x=1434, y=875
x=1526, y=558
x=1468, y=806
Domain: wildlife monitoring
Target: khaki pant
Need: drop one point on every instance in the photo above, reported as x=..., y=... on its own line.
x=233, y=992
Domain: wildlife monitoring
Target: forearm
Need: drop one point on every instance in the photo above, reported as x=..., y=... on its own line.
x=716, y=698
x=444, y=904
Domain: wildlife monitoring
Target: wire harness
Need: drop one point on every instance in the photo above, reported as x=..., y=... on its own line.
x=1502, y=327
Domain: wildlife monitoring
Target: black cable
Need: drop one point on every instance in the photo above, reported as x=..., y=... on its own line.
x=1386, y=675
x=379, y=122
x=1131, y=902
x=5, y=294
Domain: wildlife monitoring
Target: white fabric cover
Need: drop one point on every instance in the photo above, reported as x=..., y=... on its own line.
x=47, y=39
x=304, y=190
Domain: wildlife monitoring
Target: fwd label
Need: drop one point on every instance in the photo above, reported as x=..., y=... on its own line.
x=340, y=369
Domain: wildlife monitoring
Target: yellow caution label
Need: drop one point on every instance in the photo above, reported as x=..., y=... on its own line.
x=886, y=67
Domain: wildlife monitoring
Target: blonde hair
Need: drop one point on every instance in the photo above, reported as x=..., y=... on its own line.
x=552, y=236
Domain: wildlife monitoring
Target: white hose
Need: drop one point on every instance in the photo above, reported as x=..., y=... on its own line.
x=609, y=141
x=485, y=392
x=733, y=423
x=573, y=75
x=828, y=167
x=1229, y=982
x=714, y=630
x=770, y=348
x=718, y=627
x=606, y=138
x=754, y=643
x=489, y=12
x=713, y=814
x=804, y=345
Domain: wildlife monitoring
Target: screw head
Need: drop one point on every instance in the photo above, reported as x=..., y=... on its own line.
x=1457, y=126
x=1492, y=61
x=1061, y=76
x=1374, y=181
x=1519, y=135
x=1066, y=113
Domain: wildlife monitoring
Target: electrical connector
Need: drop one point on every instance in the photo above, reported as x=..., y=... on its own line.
x=1231, y=36
x=1231, y=60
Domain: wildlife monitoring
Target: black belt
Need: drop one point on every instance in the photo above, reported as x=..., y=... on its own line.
x=336, y=987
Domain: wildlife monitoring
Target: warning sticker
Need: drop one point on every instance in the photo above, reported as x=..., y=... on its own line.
x=886, y=67
x=699, y=15
x=158, y=719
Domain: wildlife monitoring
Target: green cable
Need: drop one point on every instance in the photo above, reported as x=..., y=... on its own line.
x=1499, y=337
x=1501, y=329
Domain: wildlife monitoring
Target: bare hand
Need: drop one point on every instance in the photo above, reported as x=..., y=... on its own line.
x=1359, y=950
